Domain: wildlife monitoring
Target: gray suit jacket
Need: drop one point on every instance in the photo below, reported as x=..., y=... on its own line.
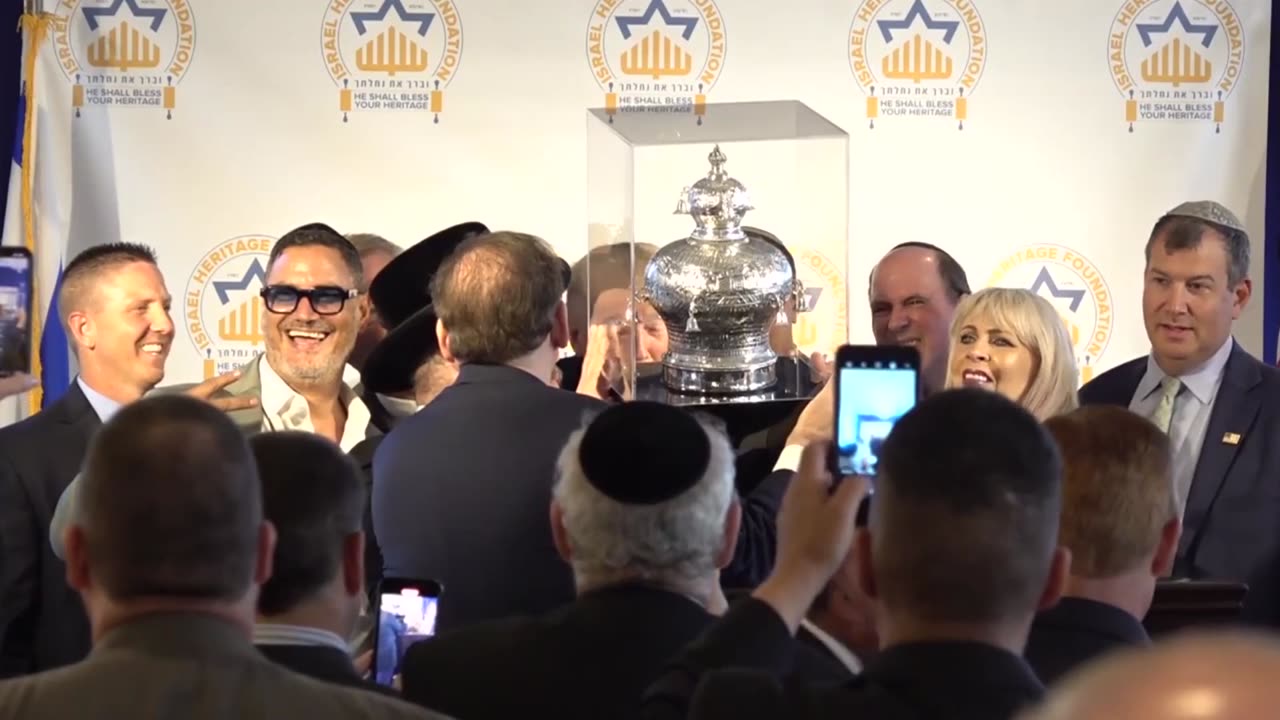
x=249, y=420
x=188, y=666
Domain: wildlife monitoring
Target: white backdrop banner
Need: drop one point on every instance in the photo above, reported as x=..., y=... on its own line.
x=1036, y=141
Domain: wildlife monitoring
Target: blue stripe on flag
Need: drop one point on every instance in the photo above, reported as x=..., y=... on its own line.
x=55, y=361
x=18, y=129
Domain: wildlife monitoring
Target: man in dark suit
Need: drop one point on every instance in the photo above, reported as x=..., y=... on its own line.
x=115, y=308
x=461, y=489
x=1219, y=405
x=168, y=556
x=1120, y=522
x=959, y=553
x=307, y=610
x=405, y=366
x=645, y=513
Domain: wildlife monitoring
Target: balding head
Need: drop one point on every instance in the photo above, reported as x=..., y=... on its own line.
x=1221, y=676
x=913, y=293
x=497, y=298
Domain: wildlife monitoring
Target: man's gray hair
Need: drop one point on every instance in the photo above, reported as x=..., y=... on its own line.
x=674, y=542
x=368, y=244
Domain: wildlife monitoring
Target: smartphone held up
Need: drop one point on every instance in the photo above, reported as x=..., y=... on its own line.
x=875, y=386
x=15, y=310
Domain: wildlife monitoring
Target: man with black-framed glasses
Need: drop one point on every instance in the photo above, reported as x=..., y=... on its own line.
x=314, y=311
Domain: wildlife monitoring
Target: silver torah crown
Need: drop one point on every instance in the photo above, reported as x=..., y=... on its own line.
x=718, y=291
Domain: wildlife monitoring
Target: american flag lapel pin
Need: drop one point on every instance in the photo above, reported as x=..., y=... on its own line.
x=1231, y=438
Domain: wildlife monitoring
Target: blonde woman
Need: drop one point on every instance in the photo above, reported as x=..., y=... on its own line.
x=1013, y=342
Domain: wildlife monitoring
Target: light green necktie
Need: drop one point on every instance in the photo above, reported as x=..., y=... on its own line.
x=1164, y=411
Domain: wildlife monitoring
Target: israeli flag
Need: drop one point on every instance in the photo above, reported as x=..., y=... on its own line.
x=36, y=212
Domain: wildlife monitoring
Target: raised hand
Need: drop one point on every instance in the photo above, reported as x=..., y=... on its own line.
x=207, y=389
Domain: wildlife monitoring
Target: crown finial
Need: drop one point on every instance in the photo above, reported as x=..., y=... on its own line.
x=717, y=159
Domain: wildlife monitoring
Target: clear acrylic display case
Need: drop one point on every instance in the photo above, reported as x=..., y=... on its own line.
x=794, y=164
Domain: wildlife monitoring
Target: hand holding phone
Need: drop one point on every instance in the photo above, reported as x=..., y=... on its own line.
x=875, y=386
x=407, y=611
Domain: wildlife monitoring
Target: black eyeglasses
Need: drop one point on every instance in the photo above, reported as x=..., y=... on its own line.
x=325, y=300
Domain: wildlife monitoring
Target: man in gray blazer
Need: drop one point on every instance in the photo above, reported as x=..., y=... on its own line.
x=168, y=554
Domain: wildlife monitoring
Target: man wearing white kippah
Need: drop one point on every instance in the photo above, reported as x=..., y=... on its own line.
x=1219, y=405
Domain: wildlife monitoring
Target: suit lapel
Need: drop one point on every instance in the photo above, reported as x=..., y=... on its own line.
x=1234, y=411
x=74, y=408
x=250, y=384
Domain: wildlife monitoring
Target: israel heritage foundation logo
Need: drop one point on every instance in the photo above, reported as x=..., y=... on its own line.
x=1076, y=288
x=917, y=58
x=222, y=308
x=656, y=55
x=826, y=325
x=124, y=53
x=391, y=55
x=1176, y=60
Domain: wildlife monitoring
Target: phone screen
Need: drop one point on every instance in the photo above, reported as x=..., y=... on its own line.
x=406, y=615
x=873, y=394
x=15, y=312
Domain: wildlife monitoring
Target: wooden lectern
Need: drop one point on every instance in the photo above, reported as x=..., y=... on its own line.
x=1183, y=604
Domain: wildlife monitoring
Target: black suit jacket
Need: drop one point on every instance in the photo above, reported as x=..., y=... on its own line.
x=363, y=454
x=1231, y=527
x=1076, y=631
x=590, y=659
x=324, y=663
x=42, y=620
x=462, y=489
x=733, y=672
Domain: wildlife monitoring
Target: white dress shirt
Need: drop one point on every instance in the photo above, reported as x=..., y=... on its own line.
x=790, y=458
x=834, y=646
x=284, y=409
x=275, y=634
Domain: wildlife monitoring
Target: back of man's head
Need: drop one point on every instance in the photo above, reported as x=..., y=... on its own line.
x=496, y=295
x=1117, y=490
x=964, y=519
x=313, y=494
x=171, y=505
x=645, y=492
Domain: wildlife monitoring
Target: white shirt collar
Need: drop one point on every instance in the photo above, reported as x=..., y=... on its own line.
x=398, y=407
x=1201, y=382
x=104, y=406
x=284, y=409
x=276, y=634
x=837, y=648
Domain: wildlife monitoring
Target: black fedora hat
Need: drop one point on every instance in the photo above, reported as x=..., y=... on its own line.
x=401, y=295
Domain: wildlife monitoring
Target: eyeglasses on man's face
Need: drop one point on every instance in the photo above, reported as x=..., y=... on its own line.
x=325, y=300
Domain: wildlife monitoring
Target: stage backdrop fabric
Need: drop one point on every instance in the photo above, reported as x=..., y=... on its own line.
x=1036, y=141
